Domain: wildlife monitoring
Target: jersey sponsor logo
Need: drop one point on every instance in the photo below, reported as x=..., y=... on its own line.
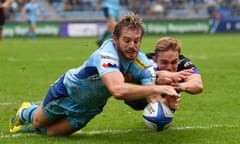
x=187, y=64
x=107, y=65
x=108, y=61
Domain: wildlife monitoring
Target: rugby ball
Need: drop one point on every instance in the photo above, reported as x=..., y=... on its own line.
x=157, y=116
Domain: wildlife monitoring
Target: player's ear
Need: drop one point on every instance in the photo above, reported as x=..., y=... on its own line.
x=114, y=37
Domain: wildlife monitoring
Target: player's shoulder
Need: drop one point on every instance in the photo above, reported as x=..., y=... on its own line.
x=183, y=57
x=150, y=55
x=184, y=63
x=108, y=48
x=106, y=53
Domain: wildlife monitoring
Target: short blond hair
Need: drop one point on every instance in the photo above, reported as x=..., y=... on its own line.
x=168, y=43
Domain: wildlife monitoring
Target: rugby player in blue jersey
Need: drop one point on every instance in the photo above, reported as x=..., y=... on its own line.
x=111, y=12
x=118, y=68
x=172, y=68
x=29, y=14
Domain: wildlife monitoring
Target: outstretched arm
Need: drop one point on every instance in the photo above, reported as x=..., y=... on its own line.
x=192, y=84
x=126, y=91
x=184, y=80
x=166, y=78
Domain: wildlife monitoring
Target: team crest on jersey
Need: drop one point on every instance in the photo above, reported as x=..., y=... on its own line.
x=108, y=61
x=128, y=77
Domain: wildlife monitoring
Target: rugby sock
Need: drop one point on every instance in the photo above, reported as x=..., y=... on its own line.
x=29, y=127
x=27, y=114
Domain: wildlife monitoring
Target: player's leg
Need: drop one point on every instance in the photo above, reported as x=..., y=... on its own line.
x=110, y=26
x=112, y=21
x=73, y=122
x=42, y=116
x=105, y=33
x=60, y=127
x=27, y=33
x=23, y=120
x=32, y=29
x=40, y=123
x=111, y=16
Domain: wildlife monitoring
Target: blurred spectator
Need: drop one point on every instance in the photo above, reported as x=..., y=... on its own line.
x=29, y=14
x=236, y=8
x=124, y=2
x=78, y=5
x=67, y=6
x=52, y=1
x=21, y=4
x=211, y=7
x=178, y=4
x=141, y=7
x=158, y=8
x=226, y=3
x=199, y=6
x=178, y=7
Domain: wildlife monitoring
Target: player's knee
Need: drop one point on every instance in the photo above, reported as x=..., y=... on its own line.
x=37, y=123
x=39, y=120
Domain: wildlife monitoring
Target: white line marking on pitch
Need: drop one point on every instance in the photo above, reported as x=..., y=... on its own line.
x=96, y=132
x=200, y=127
x=14, y=103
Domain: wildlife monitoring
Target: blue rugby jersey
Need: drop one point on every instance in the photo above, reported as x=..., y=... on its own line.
x=31, y=11
x=84, y=83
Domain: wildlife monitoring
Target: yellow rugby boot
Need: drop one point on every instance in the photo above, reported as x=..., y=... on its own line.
x=26, y=127
x=16, y=120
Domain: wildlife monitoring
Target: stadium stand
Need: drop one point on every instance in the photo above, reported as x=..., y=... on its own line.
x=14, y=12
x=62, y=10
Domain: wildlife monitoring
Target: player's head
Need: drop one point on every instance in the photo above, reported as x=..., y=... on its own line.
x=167, y=51
x=127, y=36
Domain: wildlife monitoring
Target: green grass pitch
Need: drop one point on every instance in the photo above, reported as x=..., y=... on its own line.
x=27, y=68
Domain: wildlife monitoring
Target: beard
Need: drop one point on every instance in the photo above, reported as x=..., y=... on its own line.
x=127, y=54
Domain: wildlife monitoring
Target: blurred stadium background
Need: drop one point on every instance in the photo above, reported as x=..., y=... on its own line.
x=75, y=18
